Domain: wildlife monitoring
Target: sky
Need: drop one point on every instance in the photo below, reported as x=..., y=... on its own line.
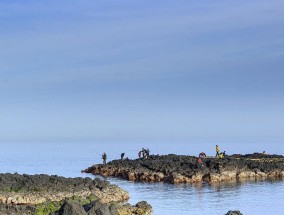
x=142, y=71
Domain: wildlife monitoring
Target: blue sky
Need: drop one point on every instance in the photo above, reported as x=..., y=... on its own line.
x=142, y=71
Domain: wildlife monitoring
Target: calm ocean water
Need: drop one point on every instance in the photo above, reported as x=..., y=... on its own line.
x=68, y=159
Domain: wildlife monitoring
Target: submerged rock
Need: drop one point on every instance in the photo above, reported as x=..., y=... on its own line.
x=187, y=169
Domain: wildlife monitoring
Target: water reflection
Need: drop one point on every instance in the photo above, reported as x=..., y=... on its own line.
x=249, y=196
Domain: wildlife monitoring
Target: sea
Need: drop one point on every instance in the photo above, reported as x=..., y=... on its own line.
x=69, y=158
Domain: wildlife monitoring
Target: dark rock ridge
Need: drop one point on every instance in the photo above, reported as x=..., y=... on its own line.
x=28, y=183
x=186, y=169
x=44, y=195
x=36, y=189
x=234, y=213
x=97, y=208
x=71, y=207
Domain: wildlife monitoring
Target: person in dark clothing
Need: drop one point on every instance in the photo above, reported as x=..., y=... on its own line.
x=202, y=155
x=147, y=152
x=143, y=153
x=122, y=155
x=104, y=157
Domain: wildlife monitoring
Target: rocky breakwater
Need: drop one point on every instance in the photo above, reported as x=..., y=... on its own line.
x=187, y=169
x=44, y=195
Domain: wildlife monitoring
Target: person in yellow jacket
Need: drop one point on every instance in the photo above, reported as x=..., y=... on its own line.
x=217, y=151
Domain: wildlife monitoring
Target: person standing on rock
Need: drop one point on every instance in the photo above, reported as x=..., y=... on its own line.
x=147, y=152
x=217, y=150
x=122, y=155
x=143, y=153
x=104, y=157
x=202, y=155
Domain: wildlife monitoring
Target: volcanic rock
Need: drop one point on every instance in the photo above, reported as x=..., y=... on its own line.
x=44, y=195
x=187, y=169
x=234, y=213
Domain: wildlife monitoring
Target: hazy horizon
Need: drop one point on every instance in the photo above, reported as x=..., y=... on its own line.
x=130, y=71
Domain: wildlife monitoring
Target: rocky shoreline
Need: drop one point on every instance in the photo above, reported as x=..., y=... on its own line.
x=187, y=169
x=44, y=195
x=55, y=195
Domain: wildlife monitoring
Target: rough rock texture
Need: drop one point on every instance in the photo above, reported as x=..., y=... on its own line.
x=97, y=208
x=140, y=208
x=234, y=213
x=71, y=207
x=186, y=169
x=16, y=209
x=36, y=189
x=44, y=195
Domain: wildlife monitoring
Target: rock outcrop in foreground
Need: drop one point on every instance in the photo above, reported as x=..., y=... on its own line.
x=44, y=195
x=187, y=169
